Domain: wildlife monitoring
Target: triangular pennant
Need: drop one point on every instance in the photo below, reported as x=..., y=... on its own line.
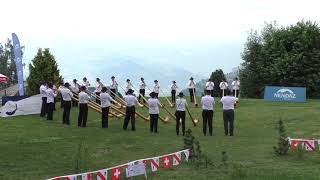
x=87, y=176
x=176, y=158
x=187, y=154
x=309, y=145
x=166, y=162
x=116, y=173
x=154, y=164
x=102, y=174
x=72, y=177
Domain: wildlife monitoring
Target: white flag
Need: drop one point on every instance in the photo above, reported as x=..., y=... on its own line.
x=154, y=164
x=187, y=153
x=176, y=158
x=71, y=177
x=102, y=174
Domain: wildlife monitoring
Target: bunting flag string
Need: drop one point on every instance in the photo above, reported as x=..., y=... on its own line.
x=137, y=167
x=306, y=144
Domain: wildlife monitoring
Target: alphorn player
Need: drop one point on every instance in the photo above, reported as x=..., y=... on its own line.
x=131, y=102
x=43, y=89
x=142, y=90
x=61, y=86
x=113, y=87
x=66, y=97
x=224, y=87
x=83, y=107
x=181, y=105
x=98, y=89
x=153, y=103
x=229, y=103
x=50, y=101
x=75, y=87
x=192, y=89
x=128, y=86
x=174, y=88
x=156, y=88
x=210, y=86
x=207, y=102
x=106, y=100
x=85, y=83
x=235, y=87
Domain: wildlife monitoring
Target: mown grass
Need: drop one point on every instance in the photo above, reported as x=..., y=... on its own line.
x=34, y=148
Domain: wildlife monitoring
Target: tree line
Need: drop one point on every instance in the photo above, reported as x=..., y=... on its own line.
x=7, y=61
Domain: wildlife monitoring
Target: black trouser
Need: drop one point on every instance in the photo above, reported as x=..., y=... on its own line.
x=173, y=96
x=50, y=107
x=228, y=118
x=180, y=115
x=105, y=117
x=130, y=115
x=142, y=92
x=74, y=102
x=98, y=97
x=66, y=112
x=54, y=104
x=211, y=93
x=207, y=116
x=113, y=94
x=192, y=91
x=234, y=93
x=43, y=107
x=62, y=101
x=157, y=95
x=154, y=122
x=83, y=115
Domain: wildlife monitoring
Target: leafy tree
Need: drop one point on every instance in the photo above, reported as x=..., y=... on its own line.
x=217, y=76
x=7, y=61
x=282, y=56
x=43, y=68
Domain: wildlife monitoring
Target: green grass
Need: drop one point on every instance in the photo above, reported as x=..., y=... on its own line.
x=34, y=148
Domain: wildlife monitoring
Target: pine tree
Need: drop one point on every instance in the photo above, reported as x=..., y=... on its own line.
x=216, y=77
x=283, y=144
x=43, y=68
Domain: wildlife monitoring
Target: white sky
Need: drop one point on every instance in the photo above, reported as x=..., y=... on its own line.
x=43, y=23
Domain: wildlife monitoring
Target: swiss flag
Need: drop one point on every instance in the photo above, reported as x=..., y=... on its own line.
x=88, y=176
x=116, y=173
x=309, y=145
x=102, y=175
x=295, y=144
x=71, y=178
x=176, y=158
x=166, y=162
x=154, y=164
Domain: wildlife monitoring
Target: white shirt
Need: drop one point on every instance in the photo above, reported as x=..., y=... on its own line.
x=60, y=88
x=130, y=100
x=228, y=102
x=129, y=86
x=207, y=102
x=66, y=94
x=156, y=88
x=181, y=104
x=105, y=100
x=192, y=84
x=142, y=85
x=98, y=87
x=50, y=95
x=83, y=98
x=174, y=87
x=114, y=84
x=235, y=85
x=75, y=87
x=153, y=106
x=209, y=85
x=86, y=84
x=43, y=89
x=223, y=85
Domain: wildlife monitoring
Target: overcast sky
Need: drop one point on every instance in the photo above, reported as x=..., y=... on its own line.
x=204, y=34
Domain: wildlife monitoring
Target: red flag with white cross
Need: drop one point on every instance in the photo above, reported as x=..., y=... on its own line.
x=116, y=173
x=295, y=144
x=166, y=162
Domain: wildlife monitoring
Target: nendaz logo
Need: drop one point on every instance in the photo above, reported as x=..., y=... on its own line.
x=286, y=94
x=11, y=107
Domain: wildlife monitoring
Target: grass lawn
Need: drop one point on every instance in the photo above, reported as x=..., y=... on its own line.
x=34, y=148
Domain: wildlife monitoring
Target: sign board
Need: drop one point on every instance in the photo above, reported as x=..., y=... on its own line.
x=285, y=94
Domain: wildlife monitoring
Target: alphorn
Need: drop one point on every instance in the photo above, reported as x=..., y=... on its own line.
x=140, y=105
x=171, y=105
x=194, y=121
x=194, y=97
x=97, y=97
x=165, y=120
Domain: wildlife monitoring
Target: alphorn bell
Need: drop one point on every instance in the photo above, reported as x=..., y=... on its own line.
x=171, y=105
x=194, y=121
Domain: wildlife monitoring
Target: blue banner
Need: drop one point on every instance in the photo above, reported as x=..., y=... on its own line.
x=18, y=57
x=285, y=94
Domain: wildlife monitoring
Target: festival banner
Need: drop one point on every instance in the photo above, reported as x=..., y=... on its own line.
x=18, y=57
